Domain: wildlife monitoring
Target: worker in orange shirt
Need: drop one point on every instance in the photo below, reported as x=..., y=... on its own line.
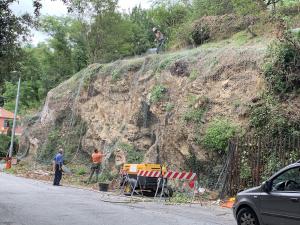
x=96, y=164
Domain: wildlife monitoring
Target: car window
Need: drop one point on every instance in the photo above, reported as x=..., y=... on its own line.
x=287, y=181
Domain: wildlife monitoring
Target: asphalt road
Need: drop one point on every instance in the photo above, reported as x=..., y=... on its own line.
x=29, y=202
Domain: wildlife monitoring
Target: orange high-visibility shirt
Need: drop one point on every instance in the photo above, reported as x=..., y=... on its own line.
x=97, y=157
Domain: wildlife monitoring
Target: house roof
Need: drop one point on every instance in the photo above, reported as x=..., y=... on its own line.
x=6, y=114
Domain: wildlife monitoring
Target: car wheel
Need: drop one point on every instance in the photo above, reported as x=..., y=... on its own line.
x=170, y=192
x=246, y=216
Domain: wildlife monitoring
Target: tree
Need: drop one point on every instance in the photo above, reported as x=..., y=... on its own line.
x=91, y=7
x=142, y=30
x=245, y=7
x=110, y=38
x=66, y=51
x=212, y=7
x=13, y=30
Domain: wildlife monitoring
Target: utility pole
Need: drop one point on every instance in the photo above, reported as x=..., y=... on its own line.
x=11, y=147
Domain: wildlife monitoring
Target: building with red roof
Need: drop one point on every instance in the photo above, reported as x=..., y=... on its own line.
x=6, y=118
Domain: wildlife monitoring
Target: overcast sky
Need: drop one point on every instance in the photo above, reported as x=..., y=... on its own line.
x=57, y=8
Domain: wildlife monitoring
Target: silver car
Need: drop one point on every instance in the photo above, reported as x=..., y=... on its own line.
x=275, y=202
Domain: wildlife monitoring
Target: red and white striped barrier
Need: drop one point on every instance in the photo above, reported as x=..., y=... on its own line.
x=190, y=176
x=142, y=173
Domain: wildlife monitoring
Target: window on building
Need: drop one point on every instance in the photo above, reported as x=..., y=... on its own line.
x=6, y=124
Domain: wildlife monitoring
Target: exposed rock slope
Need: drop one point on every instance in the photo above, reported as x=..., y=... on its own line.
x=143, y=102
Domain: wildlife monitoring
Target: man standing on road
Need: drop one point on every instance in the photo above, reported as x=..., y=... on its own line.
x=96, y=164
x=57, y=167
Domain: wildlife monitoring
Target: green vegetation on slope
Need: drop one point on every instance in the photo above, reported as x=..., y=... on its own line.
x=110, y=35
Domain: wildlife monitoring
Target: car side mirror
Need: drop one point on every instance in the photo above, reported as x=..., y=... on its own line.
x=266, y=186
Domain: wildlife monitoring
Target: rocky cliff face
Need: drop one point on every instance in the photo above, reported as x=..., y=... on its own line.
x=146, y=106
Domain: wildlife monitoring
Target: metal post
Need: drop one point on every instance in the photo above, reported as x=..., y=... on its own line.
x=133, y=190
x=162, y=189
x=194, y=192
x=14, y=122
x=158, y=183
x=124, y=179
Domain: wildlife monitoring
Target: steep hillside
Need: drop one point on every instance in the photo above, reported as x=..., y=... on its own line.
x=152, y=108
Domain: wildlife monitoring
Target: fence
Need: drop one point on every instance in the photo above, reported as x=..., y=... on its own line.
x=252, y=159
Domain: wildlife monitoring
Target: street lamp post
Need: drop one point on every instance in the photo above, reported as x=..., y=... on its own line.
x=11, y=147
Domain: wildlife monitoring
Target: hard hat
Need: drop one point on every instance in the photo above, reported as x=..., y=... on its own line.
x=154, y=29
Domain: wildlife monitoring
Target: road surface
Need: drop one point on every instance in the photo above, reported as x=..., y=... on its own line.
x=29, y=202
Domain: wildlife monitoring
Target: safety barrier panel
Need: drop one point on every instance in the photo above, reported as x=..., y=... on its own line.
x=183, y=176
x=142, y=173
x=189, y=176
x=162, y=178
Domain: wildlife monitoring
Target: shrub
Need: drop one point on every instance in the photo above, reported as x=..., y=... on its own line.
x=69, y=139
x=194, y=115
x=270, y=120
x=282, y=65
x=46, y=153
x=200, y=34
x=81, y=171
x=212, y=7
x=107, y=176
x=115, y=76
x=169, y=107
x=260, y=116
x=157, y=93
x=195, y=112
x=193, y=75
x=246, y=7
x=133, y=155
x=217, y=135
x=4, y=144
x=208, y=171
x=181, y=37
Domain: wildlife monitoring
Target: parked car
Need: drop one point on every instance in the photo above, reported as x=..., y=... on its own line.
x=275, y=202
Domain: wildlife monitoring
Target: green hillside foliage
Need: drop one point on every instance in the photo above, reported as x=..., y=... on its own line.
x=111, y=34
x=283, y=65
x=4, y=145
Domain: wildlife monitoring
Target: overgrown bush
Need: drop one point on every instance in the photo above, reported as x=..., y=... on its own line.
x=207, y=171
x=133, y=154
x=81, y=171
x=194, y=115
x=217, y=135
x=4, y=144
x=115, y=76
x=157, y=93
x=212, y=7
x=169, y=107
x=107, y=176
x=268, y=118
x=200, y=34
x=65, y=136
x=193, y=75
x=51, y=145
x=282, y=66
x=196, y=109
x=181, y=36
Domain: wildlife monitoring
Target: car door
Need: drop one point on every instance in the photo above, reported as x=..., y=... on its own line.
x=281, y=206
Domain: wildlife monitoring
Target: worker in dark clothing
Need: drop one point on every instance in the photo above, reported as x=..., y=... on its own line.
x=57, y=167
x=159, y=38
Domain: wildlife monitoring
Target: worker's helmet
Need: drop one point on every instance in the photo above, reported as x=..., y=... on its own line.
x=154, y=29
